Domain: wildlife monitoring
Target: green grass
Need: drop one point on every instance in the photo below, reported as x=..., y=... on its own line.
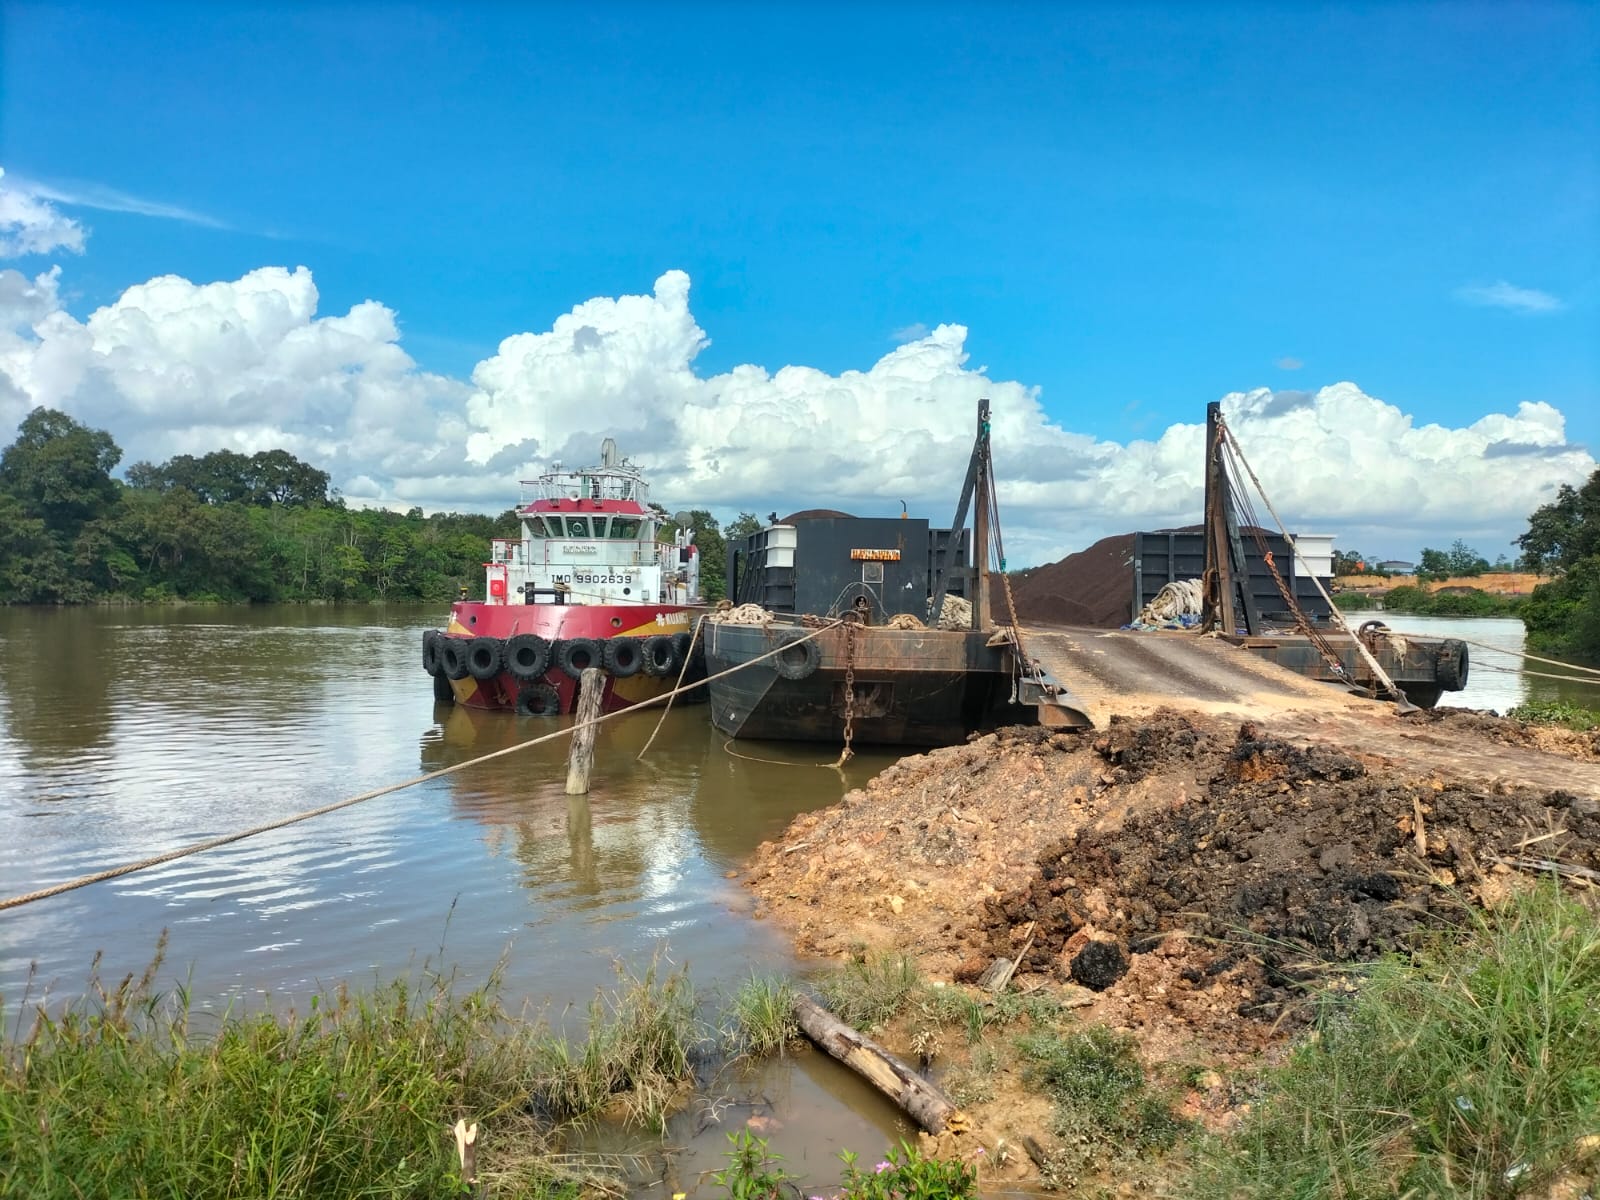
x=635, y=1058
x=1556, y=712
x=1471, y=1070
x=760, y=1018
x=869, y=992
x=130, y=1093
x=1106, y=1109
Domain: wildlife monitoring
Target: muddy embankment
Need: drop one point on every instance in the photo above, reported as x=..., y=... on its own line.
x=1185, y=877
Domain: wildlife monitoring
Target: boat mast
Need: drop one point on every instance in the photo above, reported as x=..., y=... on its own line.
x=982, y=504
x=1227, y=571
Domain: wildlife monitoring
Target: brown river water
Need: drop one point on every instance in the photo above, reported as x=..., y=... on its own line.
x=128, y=732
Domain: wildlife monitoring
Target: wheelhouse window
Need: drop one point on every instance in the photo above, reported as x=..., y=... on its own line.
x=553, y=524
x=599, y=524
x=626, y=528
x=578, y=527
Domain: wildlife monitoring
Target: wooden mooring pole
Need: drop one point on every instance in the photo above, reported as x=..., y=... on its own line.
x=581, y=760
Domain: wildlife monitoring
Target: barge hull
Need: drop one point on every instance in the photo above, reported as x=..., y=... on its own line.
x=908, y=687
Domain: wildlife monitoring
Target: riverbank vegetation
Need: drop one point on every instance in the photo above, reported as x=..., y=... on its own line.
x=1563, y=617
x=1407, y=598
x=226, y=527
x=1464, y=1067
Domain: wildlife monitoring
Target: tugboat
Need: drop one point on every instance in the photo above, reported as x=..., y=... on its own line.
x=589, y=583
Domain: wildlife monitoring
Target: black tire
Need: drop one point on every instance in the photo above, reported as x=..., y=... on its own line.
x=430, y=651
x=527, y=656
x=577, y=655
x=680, y=643
x=453, y=657
x=443, y=693
x=799, y=659
x=538, y=700
x=624, y=657
x=660, y=655
x=485, y=657
x=1451, y=664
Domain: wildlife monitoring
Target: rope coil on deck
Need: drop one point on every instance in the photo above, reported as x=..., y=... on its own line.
x=212, y=843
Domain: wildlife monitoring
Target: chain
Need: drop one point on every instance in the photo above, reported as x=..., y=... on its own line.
x=847, y=753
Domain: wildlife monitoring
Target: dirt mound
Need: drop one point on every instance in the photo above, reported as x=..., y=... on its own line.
x=1295, y=855
x=814, y=514
x=1508, y=731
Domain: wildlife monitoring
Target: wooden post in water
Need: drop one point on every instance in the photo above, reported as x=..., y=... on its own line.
x=581, y=760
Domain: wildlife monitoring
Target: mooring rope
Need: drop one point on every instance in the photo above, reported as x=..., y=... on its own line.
x=212, y=843
x=1401, y=703
x=683, y=669
x=1554, y=662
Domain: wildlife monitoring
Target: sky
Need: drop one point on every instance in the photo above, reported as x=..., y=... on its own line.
x=780, y=251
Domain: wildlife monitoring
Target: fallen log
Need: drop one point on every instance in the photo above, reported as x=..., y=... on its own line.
x=922, y=1101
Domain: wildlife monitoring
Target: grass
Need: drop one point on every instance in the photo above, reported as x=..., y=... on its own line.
x=1469, y=1070
x=869, y=992
x=760, y=1017
x=1106, y=1110
x=1556, y=712
x=122, y=1094
x=636, y=1054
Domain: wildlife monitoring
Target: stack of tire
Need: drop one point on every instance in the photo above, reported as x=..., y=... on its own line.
x=527, y=657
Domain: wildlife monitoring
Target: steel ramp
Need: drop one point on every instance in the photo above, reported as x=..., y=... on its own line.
x=1086, y=675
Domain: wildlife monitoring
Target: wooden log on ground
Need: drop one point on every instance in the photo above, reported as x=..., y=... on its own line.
x=580, y=762
x=922, y=1101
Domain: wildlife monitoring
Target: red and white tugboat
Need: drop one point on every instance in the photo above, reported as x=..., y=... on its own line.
x=587, y=585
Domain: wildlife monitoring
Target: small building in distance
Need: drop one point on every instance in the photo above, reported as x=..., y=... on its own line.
x=1398, y=566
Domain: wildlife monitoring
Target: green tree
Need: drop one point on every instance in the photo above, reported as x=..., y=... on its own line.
x=1564, y=538
x=713, y=554
x=742, y=527
x=1565, y=530
x=1464, y=560
x=60, y=470
x=1351, y=562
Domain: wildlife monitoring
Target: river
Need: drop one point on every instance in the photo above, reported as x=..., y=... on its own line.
x=1498, y=678
x=128, y=732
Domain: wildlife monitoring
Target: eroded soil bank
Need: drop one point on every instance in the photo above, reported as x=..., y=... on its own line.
x=1184, y=878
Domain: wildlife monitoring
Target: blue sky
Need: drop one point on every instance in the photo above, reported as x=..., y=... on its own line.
x=1132, y=209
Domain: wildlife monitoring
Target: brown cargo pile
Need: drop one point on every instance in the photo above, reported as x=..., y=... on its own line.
x=1092, y=587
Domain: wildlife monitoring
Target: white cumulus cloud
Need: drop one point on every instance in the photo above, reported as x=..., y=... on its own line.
x=29, y=224
x=177, y=367
x=174, y=367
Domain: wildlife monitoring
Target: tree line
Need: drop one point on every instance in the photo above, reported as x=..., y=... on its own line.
x=227, y=527
x=1563, y=540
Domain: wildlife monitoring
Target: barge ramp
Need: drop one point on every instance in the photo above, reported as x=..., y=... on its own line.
x=1098, y=672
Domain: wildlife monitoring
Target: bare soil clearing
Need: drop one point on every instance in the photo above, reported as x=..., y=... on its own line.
x=1183, y=875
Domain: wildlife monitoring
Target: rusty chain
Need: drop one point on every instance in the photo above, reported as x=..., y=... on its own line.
x=846, y=754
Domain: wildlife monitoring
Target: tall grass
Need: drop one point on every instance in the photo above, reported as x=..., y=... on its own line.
x=760, y=1018
x=1472, y=1070
x=869, y=992
x=125, y=1094
x=635, y=1057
